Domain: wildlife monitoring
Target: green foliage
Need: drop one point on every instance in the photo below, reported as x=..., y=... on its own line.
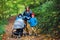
x=2, y=30
x=45, y=8
x=2, y=27
x=48, y=6
x=47, y=13
x=0, y=37
x=3, y=22
x=47, y=17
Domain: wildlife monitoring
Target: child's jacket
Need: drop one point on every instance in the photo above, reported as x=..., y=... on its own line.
x=32, y=22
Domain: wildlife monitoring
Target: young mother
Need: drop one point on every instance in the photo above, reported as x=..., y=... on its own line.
x=27, y=15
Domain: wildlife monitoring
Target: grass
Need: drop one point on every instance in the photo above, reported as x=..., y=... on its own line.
x=2, y=27
x=2, y=31
x=0, y=37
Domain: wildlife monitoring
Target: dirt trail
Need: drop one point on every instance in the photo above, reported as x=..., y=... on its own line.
x=7, y=35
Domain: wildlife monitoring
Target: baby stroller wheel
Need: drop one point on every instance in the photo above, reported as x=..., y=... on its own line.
x=12, y=35
x=17, y=34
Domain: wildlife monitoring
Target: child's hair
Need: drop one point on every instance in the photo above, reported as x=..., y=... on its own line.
x=32, y=14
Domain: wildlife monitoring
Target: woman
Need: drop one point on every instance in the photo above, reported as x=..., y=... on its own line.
x=27, y=15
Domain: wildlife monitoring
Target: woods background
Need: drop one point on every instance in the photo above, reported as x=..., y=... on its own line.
x=47, y=12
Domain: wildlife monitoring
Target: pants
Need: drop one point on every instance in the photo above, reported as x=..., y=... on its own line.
x=29, y=29
x=26, y=28
x=33, y=29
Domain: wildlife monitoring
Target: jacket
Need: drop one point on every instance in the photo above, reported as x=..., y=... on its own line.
x=32, y=22
x=27, y=14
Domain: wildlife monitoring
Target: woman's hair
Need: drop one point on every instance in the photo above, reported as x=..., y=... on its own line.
x=27, y=7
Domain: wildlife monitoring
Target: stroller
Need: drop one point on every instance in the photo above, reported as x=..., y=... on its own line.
x=18, y=27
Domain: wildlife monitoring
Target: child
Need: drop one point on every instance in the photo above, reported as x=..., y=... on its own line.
x=32, y=22
x=19, y=25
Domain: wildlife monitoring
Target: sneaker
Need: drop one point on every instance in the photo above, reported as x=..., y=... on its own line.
x=19, y=36
x=30, y=34
x=35, y=34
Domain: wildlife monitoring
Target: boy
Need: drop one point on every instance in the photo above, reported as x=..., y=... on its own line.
x=19, y=25
x=33, y=23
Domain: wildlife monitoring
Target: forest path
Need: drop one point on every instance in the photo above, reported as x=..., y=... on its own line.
x=7, y=35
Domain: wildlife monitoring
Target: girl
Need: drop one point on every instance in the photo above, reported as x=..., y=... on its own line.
x=33, y=23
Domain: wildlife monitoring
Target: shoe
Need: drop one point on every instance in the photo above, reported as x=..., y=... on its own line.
x=19, y=36
x=30, y=34
x=35, y=34
x=27, y=33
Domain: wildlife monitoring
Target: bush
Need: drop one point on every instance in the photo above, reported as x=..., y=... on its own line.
x=47, y=17
x=2, y=27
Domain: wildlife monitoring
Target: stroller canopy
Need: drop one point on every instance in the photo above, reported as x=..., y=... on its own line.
x=19, y=23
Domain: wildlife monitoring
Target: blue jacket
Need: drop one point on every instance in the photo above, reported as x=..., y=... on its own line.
x=27, y=14
x=32, y=22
